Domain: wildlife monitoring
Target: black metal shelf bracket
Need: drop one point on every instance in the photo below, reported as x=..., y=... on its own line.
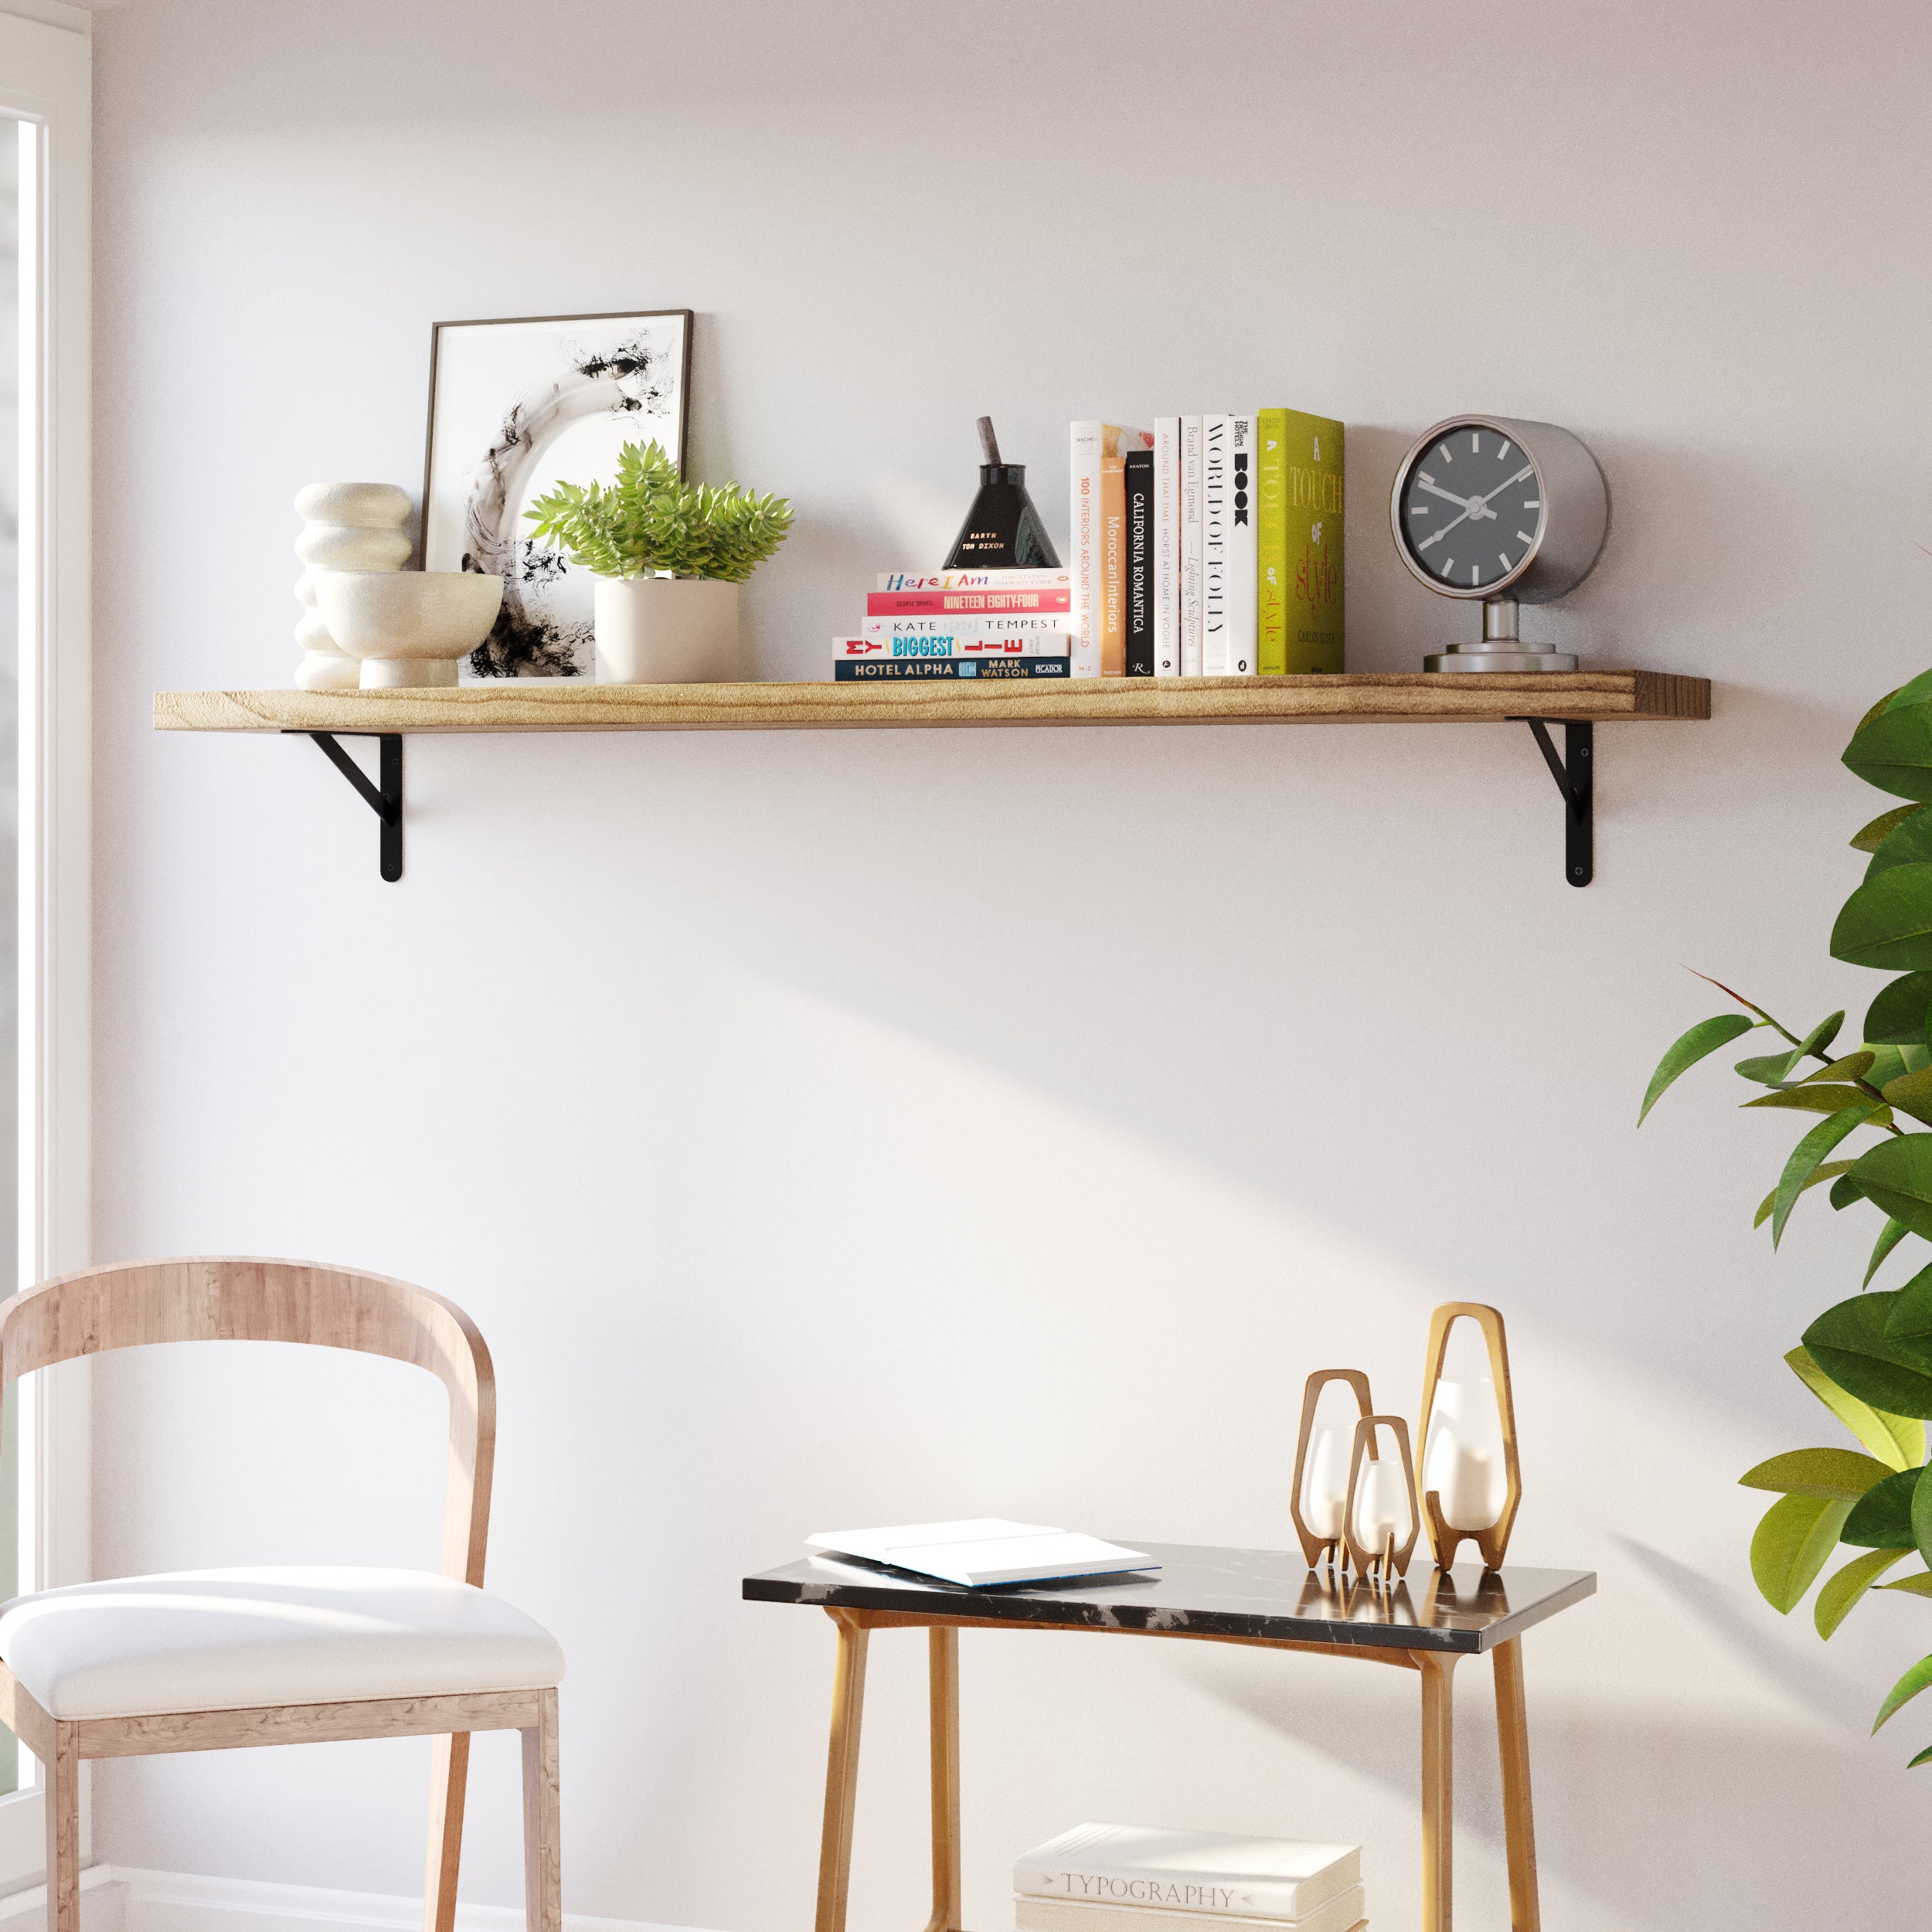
x=385, y=799
x=1572, y=773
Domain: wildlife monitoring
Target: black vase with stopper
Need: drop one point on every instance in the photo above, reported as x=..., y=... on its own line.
x=1002, y=530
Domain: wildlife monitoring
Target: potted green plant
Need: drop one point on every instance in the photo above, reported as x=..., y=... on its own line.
x=1868, y=1358
x=669, y=557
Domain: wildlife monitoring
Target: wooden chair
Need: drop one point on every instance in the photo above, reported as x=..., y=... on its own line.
x=210, y=1660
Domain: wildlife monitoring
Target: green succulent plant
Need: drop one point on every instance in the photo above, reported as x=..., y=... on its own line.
x=1869, y=1359
x=648, y=521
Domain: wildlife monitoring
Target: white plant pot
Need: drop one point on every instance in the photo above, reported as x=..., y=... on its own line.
x=666, y=631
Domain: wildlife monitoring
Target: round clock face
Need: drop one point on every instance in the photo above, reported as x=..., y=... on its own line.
x=1471, y=508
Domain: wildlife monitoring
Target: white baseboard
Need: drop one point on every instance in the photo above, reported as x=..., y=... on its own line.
x=123, y=1899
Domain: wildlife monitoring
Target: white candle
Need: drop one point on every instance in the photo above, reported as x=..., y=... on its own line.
x=1463, y=1462
x=1381, y=1506
x=1324, y=1483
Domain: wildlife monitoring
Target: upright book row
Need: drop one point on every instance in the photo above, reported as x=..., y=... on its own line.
x=1210, y=546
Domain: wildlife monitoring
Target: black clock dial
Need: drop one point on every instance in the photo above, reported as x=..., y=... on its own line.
x=1471, y=508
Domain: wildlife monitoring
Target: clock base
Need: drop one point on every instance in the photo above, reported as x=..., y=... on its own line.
x=1467, y=660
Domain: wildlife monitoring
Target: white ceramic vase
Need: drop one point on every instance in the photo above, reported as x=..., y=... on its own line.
x=408, y=629
x=666, y=631
x=345, y=526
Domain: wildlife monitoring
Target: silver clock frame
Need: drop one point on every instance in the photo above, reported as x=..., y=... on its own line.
x=1574, y=522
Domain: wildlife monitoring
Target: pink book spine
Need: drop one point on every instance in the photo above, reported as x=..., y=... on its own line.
x=948, y=604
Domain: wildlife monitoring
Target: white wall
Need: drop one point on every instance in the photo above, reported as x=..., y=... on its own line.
x=833, y=1128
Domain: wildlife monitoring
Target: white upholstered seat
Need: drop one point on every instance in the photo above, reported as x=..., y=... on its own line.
x=202, y=1640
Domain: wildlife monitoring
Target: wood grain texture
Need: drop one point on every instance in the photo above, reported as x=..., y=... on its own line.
x=943, y=1687
x=842, y=1771
x=24, y=1717
x=1438, y=1790
x=543, y=1843
x=572, y=705
x=243, y=1298
x=1518, y=1821
x=449, y=1786
x=306, y=1723
x=62, y=1769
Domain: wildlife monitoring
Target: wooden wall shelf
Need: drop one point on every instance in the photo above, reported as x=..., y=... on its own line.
x=569, y=705
x=1577, y=700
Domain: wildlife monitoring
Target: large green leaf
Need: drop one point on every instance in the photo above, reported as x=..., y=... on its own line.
x=1911, y=1308
x=1893, y=751
x=1840, y=1473
x=1912, y=1093
x=1705, y=1037
x=1888, y=1063
x=1792, y=1541
x=1853, y=1066
x=1923, y=1758
x=1881, y=1517
x=1849, y=1343
x=1896, y=1017
x=1888, y=921
x=1898, y=1441
x=1808, y=1155
x=1922, y=1516
x=1844, y=1193
x=1870, y=838
x=1844, y=1587
x=1907, y=1688
x=1831, y=1171
x=1897, y=1175
x=1918, y=1584
x=1831, y=1098
x=1889, y=1236
x=1909, y=842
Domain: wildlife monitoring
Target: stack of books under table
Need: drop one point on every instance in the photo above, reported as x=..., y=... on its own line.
x=1133, y=1878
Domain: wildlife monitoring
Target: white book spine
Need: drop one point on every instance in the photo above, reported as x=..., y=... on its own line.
x=1243, y=586
x=1341, y=1913
x=1084, y=525
x=1215, y=508
x=1167, y=546
x=1191, y=598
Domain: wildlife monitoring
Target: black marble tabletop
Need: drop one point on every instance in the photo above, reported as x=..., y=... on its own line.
x=1215, y=1592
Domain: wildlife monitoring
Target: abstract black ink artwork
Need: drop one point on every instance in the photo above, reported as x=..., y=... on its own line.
x=516, y=407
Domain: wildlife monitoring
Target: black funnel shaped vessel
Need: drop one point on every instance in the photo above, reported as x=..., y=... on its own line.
x=1002, y=530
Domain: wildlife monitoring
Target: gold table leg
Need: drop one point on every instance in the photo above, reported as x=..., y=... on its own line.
x=943, y=1664
x=1519, y=1830
x=1438, y=1798
x=841, y=1774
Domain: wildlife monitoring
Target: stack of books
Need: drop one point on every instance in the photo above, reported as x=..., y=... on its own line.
x=1208, y=546
x=1133, y=1878
x=962, y=624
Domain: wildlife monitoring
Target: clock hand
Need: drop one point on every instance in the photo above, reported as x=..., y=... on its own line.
x=1468, y=510
x=1528, y=469
x=1462, y=502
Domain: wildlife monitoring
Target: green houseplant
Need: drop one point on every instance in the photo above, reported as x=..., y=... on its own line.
x=669, y=557
x=1869, y=1357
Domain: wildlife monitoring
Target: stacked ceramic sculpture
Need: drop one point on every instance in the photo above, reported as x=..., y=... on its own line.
x=345, y=526
x=366, y=622
x=1355, y=1504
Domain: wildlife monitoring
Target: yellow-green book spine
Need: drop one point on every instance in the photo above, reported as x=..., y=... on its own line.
x=1271, y=543
x=1313, y=446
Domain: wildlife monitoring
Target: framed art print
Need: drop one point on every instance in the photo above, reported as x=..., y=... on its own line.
x=517, y=406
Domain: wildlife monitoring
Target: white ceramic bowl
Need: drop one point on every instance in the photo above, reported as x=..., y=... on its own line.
x=408, y=627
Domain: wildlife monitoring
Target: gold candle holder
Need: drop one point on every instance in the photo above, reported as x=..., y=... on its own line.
x=1443, y=1539
x=1379, y=1566
x=1319, y=1548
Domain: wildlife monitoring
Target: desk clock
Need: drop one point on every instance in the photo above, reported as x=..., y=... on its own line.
x=1510, y=512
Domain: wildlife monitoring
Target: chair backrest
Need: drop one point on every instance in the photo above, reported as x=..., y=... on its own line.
x=232, y=1298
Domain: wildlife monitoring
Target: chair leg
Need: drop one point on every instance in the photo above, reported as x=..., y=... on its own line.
x=449, y=1781
x=62, y=1771
x=543, y=1855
